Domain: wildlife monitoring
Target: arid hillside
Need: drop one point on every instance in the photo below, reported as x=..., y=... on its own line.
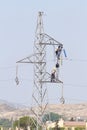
x=67, y=110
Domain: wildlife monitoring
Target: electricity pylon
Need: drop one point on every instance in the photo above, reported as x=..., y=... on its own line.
x=41, y=76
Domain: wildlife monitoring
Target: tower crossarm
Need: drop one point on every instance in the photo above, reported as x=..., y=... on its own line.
x=48, y=77
x=48, y=40
x=30, y=59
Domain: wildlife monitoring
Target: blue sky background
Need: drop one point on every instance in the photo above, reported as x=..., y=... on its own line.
x=66, y=21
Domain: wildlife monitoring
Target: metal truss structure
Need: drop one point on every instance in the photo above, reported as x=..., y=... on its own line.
x=41, y=76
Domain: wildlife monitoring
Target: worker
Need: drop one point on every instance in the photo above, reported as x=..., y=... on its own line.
x=58, y=51
x=53, y=75
x=57, y=65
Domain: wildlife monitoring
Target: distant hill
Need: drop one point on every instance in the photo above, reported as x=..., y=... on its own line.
x=5, y=106
x=9, y=111
x=70, y=110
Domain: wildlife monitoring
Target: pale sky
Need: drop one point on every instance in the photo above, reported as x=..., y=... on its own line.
x=64, y=20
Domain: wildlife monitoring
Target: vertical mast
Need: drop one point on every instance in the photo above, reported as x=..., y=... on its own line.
x=39, y=95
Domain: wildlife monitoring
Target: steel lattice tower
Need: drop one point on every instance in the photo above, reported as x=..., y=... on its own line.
x=39, y=96
x=41, y=76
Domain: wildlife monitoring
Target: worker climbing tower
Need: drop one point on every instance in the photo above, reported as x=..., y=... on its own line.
x=41, y=76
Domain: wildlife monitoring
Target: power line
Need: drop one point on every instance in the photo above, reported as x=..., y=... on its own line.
x=77, y=60
x=11, y=67
x=5, y=80
x=65, y=84
x=7, y=67
x=67, y=59
x=68, y=99
x=75, y=85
